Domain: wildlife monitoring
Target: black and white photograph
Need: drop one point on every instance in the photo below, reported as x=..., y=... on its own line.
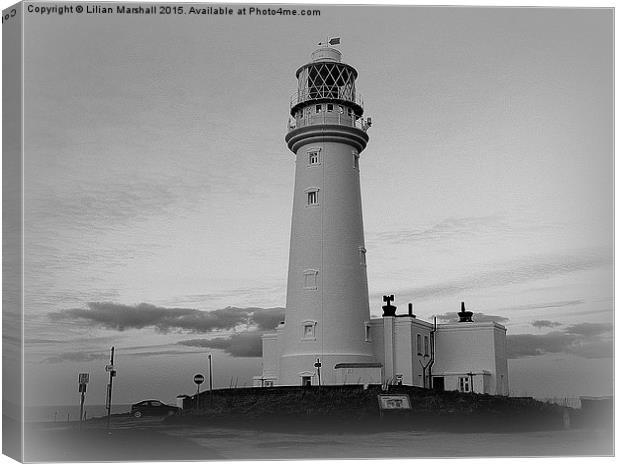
x=307, y=231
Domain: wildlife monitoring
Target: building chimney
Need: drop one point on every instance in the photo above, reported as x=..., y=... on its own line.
x=411, y=310
x=465, y=316
x=388, y=309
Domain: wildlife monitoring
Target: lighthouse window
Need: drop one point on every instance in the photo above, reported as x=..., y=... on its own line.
x=425, y=345
x=310, y=279
x=313, y=198
x=419, y=344
x=318, y=108
x=356, y=159
x=363, y=256
x=308, y=332
x=330, y=107
x=313, y=157
x=340, y=109
x=367, y=333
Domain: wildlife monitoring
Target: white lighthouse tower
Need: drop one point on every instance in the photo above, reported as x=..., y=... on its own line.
x=327, y=292
x=328, y=337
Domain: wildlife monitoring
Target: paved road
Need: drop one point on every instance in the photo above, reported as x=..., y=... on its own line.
x=244, y=444
x=128, y=439
x=150, y=439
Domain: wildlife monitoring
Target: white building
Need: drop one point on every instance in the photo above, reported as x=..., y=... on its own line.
x=328, y=336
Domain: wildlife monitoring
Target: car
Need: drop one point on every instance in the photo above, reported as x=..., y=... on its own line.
x=153, y=408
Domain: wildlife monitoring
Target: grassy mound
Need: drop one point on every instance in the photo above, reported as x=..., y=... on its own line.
x=353, y=408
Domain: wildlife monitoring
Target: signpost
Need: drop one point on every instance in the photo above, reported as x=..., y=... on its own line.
x=198, y=380
x=110, y=368
x=82, y=382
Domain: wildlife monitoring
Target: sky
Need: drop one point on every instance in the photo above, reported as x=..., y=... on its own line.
x=158, y=188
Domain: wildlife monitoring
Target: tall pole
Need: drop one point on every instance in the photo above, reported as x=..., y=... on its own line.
x=109, y=399
x=210, y=381
x=210, y=373
x=81, y=407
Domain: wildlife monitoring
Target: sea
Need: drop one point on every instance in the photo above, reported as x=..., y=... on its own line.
x=69, y=413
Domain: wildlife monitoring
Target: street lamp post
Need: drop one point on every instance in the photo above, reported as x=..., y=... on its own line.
x=317, y=364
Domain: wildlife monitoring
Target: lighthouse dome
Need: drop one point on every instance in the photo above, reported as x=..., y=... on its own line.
x=326, y=54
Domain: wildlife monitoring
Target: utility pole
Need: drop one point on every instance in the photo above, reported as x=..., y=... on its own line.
x=110, y=369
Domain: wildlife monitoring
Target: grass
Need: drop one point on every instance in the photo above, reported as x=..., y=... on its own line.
x=353, y=408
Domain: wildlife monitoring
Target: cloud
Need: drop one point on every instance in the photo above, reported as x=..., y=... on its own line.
x=76, y=356
x=544, y=323
x=530, y=269
x=267, y=319
x=589, y=329
x=477, y=317
x=587, y=340
x=242, y=345
x=547, y=305
x=446, y=229
x=122, y=317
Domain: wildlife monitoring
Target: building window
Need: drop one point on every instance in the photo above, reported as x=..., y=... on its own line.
x=464, y=385
x=314, y=157
x=330, y=107
x=306, y=381
x=310, y=279
x=317, y=108
x=356, y=159
x=363, y=256
x=425, y=345
x=268, y=383
x=313, y=198
x=419, y=344
x=367, y=333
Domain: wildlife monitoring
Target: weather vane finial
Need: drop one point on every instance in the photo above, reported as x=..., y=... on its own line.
x=330, y=41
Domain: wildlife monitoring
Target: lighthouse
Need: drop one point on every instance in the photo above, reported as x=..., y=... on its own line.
x=327, y=290
x=328, y=337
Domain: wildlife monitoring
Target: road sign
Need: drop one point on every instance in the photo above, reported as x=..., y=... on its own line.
x=198, y=379
x=317, y=364
x=83, y=378
x=109, y=367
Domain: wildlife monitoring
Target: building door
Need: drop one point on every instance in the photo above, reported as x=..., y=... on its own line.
x=439, y=384
x=306, y=381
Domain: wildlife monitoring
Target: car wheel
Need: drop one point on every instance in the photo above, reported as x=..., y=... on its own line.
x=137, y=414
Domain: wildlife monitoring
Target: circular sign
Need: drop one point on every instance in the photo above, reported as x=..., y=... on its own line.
x=317, y=364
x=198, y=379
